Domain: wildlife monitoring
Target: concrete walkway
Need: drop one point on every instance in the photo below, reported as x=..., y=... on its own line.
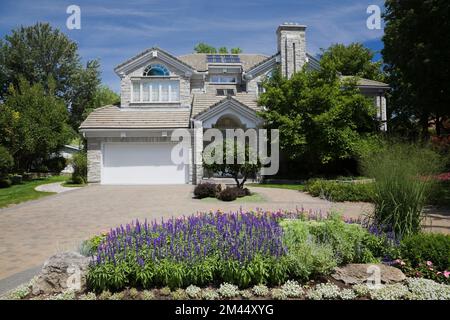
x=33, y=231
x=56, y=187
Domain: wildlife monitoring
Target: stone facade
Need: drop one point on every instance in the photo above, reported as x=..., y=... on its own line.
x=94, y=160
x=292, y=48
x=175, y=74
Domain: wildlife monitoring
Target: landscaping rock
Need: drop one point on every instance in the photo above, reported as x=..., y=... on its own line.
x=360, y=273
x=62, y=272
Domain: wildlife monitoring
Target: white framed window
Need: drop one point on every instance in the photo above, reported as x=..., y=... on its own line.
x=222, y=79
x=155, y=91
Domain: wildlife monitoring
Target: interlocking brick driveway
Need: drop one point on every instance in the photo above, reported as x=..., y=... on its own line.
x=33, y=231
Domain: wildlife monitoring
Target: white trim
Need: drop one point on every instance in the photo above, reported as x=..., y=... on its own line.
x=148, y=56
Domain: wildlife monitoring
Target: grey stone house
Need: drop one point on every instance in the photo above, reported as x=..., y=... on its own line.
x=130, y=143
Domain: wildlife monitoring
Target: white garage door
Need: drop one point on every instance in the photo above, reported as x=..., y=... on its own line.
x=141, y=163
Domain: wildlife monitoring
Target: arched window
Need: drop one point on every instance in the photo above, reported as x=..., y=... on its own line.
x=156, y=70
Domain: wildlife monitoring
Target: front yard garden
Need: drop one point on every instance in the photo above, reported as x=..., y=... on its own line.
x=257, y=255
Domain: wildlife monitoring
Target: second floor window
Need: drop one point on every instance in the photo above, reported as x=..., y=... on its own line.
x=223, y=79
x=156, y=91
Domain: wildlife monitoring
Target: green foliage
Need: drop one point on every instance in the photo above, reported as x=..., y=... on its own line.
x=316, y=247
x=38, y=53
x=32, y=124
x=55, y=164
x=79, y=163
x=423, y=247
x=416, y=54
x=228, y=194
x=103, y=96
x=244, y=164
x=340, y=191
x=403, y=182
x=236, y=50
x=6, y=161
x=205, y=190
x=89, y=247
x=352, y=60
x=5, y=183
x=206, y=48
x=84, y=96
x=322, y=119
x=44, y=55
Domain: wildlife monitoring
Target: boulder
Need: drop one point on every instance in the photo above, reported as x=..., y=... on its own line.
x=62, y=272
x=352, y=274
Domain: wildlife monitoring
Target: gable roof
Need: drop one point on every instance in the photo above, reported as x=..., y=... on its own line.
x=198, y=60
x=228, y=102
x=139, y=58
x=204, y=101
x=367, y=83
x=114, y=117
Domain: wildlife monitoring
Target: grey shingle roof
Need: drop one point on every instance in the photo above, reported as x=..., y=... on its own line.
x=203, y=101
x=198, y=60
x=112, y=117
x=367, y=83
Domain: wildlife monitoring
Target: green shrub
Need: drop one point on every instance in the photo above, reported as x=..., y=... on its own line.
x=6, y=162
x=423, y=247
x=5, y=183
x=403, y=182
x=89, y=247
x=79, y=163
x=318, y=246
x=16, y=179
x=228, y=194
x=56, y=164
x=206, y=190
x=340, y=191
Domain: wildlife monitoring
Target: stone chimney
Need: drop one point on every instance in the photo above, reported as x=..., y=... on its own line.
x=292, y=47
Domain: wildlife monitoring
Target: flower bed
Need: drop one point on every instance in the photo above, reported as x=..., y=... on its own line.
x=244, y=249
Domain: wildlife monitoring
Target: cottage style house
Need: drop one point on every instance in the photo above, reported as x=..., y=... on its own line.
x=131, y=143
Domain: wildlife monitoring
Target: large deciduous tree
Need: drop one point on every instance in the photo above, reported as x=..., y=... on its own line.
x=353, y=60
x=39, y=53
x=322, y=120
x=33, y=123
x=416, y=52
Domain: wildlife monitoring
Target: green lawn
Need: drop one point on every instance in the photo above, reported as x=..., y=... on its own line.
x=255, y=197
x=25, y=191
x=299, y=187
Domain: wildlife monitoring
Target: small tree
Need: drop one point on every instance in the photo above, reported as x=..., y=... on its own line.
x=233, y=150
x=236, y=50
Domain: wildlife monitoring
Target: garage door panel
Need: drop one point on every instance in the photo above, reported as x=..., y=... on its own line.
x=127, y=163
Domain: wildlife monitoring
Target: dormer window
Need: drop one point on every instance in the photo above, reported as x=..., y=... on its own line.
x=225, y=92
x=156, y=70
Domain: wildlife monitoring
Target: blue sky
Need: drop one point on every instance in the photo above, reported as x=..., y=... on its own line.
x=113, y=31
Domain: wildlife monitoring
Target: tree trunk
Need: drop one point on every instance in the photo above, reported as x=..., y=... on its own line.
x=437, y=123
x=425, y=124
